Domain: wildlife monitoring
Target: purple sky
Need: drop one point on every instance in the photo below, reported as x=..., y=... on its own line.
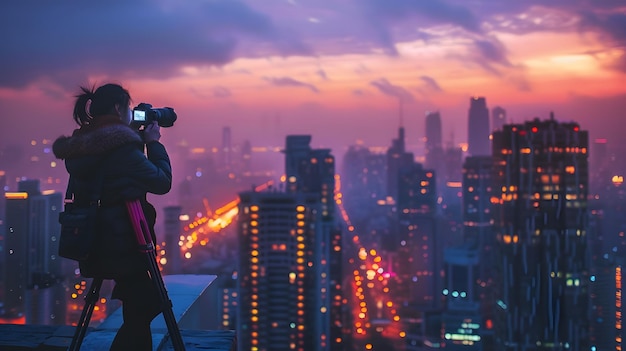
x=334, y=69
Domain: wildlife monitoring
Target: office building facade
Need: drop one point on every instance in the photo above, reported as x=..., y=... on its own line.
x=540, y=213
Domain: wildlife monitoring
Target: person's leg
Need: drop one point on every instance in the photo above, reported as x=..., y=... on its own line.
x=140, y=305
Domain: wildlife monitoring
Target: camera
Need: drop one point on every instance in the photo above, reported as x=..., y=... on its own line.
x=144, y=114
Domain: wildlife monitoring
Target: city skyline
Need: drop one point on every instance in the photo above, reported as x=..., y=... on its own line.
x=358, y=68
x=407, y=251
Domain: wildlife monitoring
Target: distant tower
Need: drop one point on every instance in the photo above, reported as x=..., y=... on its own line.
x=310, y=170
x=227, y=148
x=397, y=157
x=434, y=149
x=498, y=118
x=478, y=128
x=541, y=227
x=433, y=131
x=173, y=229
x=246, y=156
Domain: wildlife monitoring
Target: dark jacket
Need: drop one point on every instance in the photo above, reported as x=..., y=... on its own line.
x=109, y=146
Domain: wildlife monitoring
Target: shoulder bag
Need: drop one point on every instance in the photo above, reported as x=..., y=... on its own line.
x=78, y=229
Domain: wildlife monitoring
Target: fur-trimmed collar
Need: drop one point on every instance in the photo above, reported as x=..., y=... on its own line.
x=103, y=134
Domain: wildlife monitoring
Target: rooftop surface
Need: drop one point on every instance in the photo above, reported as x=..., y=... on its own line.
x=185, y=292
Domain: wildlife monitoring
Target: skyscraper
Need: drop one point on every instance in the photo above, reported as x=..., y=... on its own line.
x=478, y=127
x=32, y=267
x=498, y=118
x=397, y=157
x=312, y=171
x=290, y=270
x=433, y=137
x=462, y=324
x=479, y=236
x=279, y=302
x=418, y=245
x=540, y=212
x=226, y=152
x=434, y=149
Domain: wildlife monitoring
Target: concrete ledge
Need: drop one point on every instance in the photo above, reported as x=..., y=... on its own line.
x=187, y=295
x=15, y=337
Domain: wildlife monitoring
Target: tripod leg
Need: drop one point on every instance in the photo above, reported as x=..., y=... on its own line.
x=166, y=303
x=144, y=240
x=90, y=302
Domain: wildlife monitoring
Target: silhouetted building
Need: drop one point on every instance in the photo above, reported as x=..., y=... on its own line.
x=478, y=127
x=498, y=118
x=363, y=181
x=173, y=228
x=540, y=212
x=32, y=267
x=434, y=146
x=226, y=152
x=3, y=212
x=246, y=157
x=397, y=157
x=418, y=247
x=434, y=158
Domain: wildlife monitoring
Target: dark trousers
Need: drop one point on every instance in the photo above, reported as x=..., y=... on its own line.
x=140, y=305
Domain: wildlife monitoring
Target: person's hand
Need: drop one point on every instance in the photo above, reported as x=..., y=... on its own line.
x=152, y=132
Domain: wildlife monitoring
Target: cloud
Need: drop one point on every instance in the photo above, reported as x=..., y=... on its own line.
x=385, y=87
x=221, y=92
x=322, y=74
x=433, y=12
x=611, y=28
x=431, y=83
x=290, y=82
x=127, y=39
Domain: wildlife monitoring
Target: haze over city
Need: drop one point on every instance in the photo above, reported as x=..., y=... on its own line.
x=338, y=70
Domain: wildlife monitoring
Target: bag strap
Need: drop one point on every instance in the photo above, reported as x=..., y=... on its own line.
x=95, y=195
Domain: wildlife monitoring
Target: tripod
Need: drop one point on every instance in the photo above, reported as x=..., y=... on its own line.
x=144, y=240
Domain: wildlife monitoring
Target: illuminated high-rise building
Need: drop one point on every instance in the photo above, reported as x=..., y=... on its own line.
x=606, y=327
x=311, y=171
x=498, y=118
x=418, y=247
x=462, y=323
x=280, y=303
x=479, y=237
x=478, y=127
x=295, y=247
x=541, y=223
x=477, y=194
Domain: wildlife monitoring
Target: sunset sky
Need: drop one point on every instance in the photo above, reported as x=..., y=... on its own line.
x=336, y=69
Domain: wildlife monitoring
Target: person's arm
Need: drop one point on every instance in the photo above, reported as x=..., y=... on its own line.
x=154, y=173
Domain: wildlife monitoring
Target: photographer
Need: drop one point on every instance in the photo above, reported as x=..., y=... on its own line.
x=105, y=147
